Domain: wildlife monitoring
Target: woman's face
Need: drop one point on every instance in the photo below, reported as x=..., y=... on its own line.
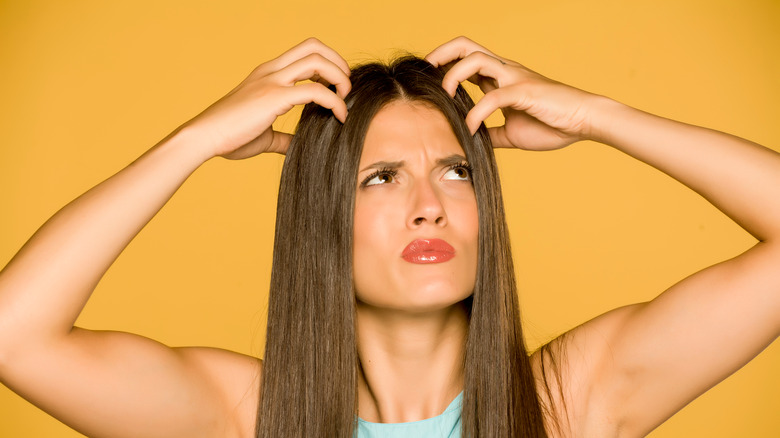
x=416, y=224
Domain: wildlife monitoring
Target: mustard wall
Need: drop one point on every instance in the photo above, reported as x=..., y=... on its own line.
x=87, y=86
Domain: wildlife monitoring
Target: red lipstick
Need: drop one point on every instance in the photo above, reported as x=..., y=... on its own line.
x=428, y=251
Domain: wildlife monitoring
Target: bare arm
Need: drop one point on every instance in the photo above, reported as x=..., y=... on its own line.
x=662, y=354
x=632, y=368
x=117, y=384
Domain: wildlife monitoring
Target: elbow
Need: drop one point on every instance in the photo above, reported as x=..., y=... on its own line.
x=12, y=344
x=5, y=357
x=7, y=347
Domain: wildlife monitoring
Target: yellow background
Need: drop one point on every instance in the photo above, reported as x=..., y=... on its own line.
x=89, y=85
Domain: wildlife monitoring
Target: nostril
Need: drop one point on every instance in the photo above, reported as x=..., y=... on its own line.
x=418, y=221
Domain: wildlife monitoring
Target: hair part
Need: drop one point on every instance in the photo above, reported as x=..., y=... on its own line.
x=309, y=385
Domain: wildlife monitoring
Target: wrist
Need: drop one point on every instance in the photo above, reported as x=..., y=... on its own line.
x=603, y=118
x=189, y=144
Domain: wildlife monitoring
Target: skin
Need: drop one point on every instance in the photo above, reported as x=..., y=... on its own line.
x=627, y=370
x=166, y=392
x=632, y=368
x=409, y=320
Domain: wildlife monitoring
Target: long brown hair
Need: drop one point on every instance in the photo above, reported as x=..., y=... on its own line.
x=309, y=384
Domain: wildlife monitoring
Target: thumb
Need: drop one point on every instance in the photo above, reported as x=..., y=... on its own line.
x=280, y=142
x=499, y=138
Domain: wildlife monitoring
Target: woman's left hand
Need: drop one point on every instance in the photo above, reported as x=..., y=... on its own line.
x=539, y=113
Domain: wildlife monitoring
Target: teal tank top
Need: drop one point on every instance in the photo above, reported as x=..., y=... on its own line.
x=445, y=425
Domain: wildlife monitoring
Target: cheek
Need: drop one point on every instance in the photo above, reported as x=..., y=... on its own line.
x=372, y=241
x=474, y=226
x=380, y=234
x=372, y=222
x=463, y=216
x=468, y=228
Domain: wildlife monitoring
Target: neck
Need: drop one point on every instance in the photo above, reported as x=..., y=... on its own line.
x=411, y=364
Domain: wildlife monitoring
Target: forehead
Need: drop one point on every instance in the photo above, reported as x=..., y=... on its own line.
x=403, y=130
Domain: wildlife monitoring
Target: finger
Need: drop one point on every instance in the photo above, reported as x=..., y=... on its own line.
x=498, y=137
x=454, y=50
x=317, y=68
x=471, y=67
x=306, y=47
x=511, y=96
x=319, y=94
x=280, y=142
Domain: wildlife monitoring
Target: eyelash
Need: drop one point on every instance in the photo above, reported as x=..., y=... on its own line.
x=393, y=172
x=383, y=171
x=462, y=165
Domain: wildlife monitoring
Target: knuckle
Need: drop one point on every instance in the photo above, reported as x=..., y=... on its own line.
x=492, y=97
x=259, y=71
x=315, y=88
x=311, y=42
x=273, y=77
x=480, y=55
x=314, y=58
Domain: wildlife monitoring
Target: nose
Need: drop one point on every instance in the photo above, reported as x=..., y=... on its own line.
x=426, y=206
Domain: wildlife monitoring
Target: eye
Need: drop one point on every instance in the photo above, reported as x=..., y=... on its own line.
x=458, y=172
x=383, y=176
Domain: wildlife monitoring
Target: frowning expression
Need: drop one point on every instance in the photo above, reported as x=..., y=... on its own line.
x=416, y=222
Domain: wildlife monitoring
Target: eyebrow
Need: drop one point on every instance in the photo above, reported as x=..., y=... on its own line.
x=446, y=161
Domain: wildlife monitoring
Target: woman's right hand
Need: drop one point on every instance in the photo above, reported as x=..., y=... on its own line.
x=239, y=125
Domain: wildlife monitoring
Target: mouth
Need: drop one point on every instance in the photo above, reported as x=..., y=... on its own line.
x=423, y=251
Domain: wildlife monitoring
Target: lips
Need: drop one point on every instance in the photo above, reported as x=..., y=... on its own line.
x=424, y=251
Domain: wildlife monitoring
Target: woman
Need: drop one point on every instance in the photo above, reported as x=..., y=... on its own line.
x=620, y=374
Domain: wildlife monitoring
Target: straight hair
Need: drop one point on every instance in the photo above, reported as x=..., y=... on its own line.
x=309, y=382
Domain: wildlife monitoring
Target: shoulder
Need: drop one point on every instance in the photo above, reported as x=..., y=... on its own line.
x=574, y=374
x=235, y=378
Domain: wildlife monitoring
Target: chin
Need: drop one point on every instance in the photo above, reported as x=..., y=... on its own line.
x=417, y=300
